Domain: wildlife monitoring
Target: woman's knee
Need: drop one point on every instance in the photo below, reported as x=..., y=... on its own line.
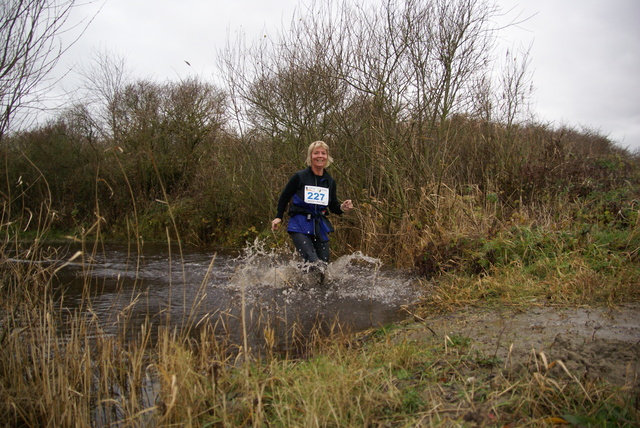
x=305, y=246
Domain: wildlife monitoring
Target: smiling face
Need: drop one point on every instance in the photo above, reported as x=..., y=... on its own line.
x=318, y=157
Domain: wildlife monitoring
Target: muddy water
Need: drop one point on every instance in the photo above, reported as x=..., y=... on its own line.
x=194, y=288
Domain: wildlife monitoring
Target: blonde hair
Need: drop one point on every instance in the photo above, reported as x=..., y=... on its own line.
x=314, y=146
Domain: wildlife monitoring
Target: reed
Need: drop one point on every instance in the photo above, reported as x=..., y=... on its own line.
x=61, y=369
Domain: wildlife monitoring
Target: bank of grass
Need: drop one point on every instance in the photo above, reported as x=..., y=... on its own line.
x=387, y=380
x=524, y=264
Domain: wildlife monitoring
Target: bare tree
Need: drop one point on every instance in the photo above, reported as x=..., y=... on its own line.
x=392, y=83
x=105, y=79
x=30, y=48
x=516, y=87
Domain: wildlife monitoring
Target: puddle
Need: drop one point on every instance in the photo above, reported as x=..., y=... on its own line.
x=195, y=288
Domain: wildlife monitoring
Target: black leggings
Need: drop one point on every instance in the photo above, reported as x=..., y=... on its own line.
x=310, y=247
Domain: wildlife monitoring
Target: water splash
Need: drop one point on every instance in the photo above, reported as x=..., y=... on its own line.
x=356, y=276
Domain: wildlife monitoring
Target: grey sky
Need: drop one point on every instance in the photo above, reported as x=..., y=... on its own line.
x=585, y=54
x=586, y=63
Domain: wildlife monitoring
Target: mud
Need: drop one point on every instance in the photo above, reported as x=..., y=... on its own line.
x=592, y=343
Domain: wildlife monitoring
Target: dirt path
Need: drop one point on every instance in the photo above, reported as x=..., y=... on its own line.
x=593, y=343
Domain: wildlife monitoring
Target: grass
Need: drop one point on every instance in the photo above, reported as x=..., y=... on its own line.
x=394, y=381
x=521, y=265
x=60, y=369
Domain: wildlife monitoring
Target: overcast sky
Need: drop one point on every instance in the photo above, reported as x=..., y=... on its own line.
x=585, y=54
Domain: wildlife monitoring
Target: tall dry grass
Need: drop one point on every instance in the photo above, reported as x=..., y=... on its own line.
x=64, y=367
x=60, y=368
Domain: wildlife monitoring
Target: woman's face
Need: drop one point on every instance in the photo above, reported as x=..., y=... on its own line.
x=319, y=157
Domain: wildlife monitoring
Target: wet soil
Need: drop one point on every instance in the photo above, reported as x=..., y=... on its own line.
x=592, y=343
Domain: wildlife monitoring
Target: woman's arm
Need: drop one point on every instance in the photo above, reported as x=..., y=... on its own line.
x=287, y=193
x=334, y=204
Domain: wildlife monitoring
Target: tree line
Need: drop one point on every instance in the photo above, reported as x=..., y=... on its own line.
x=420, y=113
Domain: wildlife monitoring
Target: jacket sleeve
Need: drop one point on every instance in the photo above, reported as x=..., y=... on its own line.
x=334, y=203
x=289, y=190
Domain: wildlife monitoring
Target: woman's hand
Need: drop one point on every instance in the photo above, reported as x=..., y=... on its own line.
x=346, y=205
x=275, y=223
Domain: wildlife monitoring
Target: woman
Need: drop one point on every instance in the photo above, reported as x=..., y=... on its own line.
x=309, y=193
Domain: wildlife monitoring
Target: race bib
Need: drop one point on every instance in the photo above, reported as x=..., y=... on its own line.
x=316, y=195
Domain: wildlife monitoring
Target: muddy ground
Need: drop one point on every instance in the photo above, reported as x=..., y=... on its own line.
x=592, y=343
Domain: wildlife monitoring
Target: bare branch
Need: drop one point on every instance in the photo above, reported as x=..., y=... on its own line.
x=30, y=47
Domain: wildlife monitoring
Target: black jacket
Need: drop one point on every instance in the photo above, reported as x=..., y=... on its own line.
x=308, y=218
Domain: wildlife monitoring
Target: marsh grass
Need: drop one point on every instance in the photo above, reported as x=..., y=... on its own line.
x=60, y=369
x=528, y=264
x=390, y=380
x=70, y=367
